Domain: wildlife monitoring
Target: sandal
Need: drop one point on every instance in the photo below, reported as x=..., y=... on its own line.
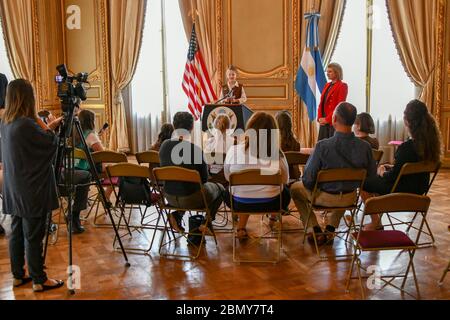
x=20, y=282
x=46, y=287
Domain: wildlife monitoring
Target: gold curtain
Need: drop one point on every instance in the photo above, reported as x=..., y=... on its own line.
x=17, y=22
x=206, y=33
x=331, y=12
x=126, y=20
x=413, y=25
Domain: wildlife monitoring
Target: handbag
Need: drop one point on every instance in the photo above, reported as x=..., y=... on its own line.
x=195, y=222
x=135, y=191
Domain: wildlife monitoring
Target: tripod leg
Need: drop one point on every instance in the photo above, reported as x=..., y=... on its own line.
x=102, y=195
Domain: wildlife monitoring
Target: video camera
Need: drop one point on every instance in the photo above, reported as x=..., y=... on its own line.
x=70, y=88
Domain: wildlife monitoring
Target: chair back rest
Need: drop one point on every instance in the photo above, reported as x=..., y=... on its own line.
x=148, y=157
x=377, y=155
x=296, y=158
x=109, y=157
x=127, y=170
x=255, y=177
x=177, y=174
x=411, y=168
x=79, y=154
x=341, y=175
x=397, y=202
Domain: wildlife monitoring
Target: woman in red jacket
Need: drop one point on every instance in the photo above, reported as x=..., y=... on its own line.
x=333, y=94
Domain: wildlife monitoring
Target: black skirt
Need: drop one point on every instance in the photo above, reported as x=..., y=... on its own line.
x=325, y=132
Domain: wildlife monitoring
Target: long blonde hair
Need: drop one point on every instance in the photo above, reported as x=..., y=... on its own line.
x=20, y=101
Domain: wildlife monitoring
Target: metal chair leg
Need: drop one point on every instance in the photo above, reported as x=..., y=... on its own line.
x=441, y=281
x=358, y=268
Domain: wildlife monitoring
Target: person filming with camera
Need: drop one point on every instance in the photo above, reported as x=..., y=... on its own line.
x=29, y=189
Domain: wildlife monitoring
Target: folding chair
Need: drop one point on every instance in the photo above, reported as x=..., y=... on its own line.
x=222, y=217
x=151, y=159
x=387, y=240
x=255, y=177
x=296, y=161
x=336, y=175
x=106, y=157
x=181, y=175
x=129, y=170
x=78, y=154
x=377, y=155
x=441, y=281
x=410, y=169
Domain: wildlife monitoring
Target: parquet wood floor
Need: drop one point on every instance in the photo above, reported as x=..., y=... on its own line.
x=299, y=274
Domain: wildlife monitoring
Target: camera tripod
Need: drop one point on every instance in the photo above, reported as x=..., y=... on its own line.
x=65, y=167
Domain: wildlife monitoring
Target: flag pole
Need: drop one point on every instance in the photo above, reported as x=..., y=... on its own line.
x=165, y=112
x=369, y=10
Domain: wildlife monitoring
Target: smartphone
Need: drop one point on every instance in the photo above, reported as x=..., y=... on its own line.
x=105, y=126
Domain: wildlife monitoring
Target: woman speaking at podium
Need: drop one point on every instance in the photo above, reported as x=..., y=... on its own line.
x=233, y=92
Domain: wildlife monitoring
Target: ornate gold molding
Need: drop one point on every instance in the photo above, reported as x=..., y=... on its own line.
x=285, y=88
x=296, y=61
x=37, y=55
x=279, y=72
x=106, y=62
x=282, y=73
x=440, y=47
x=219, y=40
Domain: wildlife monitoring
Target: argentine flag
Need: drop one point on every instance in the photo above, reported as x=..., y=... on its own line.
x=311, y=74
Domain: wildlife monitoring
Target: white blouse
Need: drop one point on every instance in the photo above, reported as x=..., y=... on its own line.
x=239, y=159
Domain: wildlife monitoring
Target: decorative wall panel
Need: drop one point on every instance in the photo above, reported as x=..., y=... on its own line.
x=256, y=36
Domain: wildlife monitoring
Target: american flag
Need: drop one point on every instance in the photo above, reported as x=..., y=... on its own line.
x=196, y=81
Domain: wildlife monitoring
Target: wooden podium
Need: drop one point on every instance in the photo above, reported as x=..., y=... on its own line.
x=238, y=114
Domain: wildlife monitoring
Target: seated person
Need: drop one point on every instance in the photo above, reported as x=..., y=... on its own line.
x=165, y=134
x=87, y=123
x=218, y=145
x=289, y=141
x=82, y=176
x=343, y=150
x=363, y=127
x=424, y=145
x=187, y=195
x=248, y=155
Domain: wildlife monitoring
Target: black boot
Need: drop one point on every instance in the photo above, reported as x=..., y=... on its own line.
x=76, y=223
x=2, y=231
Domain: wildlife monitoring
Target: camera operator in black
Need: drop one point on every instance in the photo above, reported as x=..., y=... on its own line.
x=29, y=191
x=3, y=86
x=81, y=179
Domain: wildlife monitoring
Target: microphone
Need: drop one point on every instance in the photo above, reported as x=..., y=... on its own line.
x=227, y=96
x=105, y=126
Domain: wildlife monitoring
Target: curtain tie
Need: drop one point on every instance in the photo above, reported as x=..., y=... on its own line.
x=118, y=98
